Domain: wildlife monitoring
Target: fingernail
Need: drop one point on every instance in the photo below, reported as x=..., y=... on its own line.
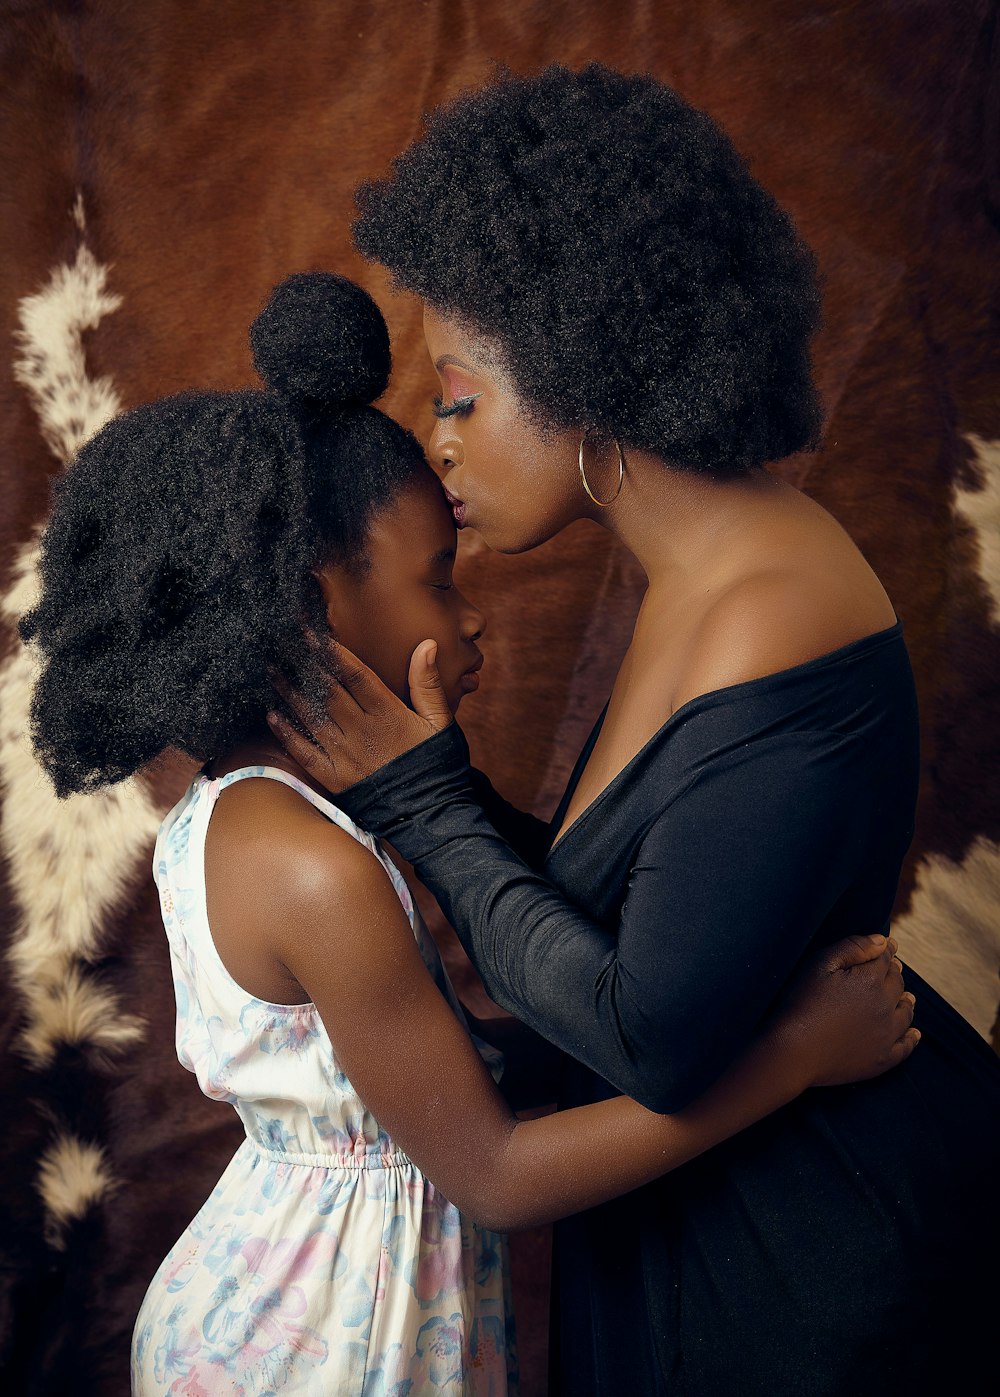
x=876, y=938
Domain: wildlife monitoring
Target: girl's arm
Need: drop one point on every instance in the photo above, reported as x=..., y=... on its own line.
x=532, y=1071
x=345, y=938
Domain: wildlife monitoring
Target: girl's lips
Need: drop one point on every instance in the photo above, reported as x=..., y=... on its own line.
x=470, y=679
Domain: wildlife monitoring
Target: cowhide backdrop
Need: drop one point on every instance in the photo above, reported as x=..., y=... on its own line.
x=164, y=165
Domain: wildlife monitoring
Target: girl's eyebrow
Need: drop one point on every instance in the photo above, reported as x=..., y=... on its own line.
x=443, y=555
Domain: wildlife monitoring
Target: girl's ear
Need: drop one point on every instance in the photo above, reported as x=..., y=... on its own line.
x=331, y=580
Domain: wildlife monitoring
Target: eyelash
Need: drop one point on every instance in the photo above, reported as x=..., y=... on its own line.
x=442, y=586
x=459, y=408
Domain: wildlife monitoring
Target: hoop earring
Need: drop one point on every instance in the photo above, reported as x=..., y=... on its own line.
x=621, y=474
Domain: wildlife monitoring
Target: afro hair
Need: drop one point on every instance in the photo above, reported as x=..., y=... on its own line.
x=608, y=241
x=177, y=569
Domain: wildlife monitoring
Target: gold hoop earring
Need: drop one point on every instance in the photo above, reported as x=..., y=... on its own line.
x=621, y=474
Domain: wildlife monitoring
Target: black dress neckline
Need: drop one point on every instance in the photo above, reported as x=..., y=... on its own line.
x=710, y=699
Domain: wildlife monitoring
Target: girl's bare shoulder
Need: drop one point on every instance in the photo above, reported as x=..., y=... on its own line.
x=278, y=872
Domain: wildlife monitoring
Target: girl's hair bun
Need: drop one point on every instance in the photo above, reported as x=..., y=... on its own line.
x=322, y=343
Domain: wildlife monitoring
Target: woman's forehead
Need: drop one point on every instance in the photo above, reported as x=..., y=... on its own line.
x=450, y=338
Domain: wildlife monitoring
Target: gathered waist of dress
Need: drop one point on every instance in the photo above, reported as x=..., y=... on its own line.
x=369, y=1158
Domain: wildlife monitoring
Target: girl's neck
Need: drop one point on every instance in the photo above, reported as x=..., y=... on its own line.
x=262, y=750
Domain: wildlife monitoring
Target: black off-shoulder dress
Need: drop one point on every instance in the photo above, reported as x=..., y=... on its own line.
x=849, y=1244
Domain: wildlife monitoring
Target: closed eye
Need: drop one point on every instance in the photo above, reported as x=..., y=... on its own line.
x=458, y=408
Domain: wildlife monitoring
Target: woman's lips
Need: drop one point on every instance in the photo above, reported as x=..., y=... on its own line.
x=457, y=508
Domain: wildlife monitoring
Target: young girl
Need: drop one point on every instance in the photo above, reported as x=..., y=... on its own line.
x=349, y=1247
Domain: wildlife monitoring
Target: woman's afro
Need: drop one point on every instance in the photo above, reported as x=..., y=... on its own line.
x=608, y=240
x=177, y=567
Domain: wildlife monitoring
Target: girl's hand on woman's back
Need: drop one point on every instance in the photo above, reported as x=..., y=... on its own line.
x=846, y=1016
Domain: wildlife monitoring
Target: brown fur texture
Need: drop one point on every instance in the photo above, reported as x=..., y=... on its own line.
x=166, y=164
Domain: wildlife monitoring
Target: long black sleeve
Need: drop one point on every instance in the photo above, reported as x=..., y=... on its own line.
x=728, y=884
x=526, y=834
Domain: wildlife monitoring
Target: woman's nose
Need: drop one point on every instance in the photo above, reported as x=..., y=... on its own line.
x=444, y=448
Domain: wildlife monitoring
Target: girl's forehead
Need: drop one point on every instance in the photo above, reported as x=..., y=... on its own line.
x=418, y=527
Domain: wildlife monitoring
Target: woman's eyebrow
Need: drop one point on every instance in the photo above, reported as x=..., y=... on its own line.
x=445, y=359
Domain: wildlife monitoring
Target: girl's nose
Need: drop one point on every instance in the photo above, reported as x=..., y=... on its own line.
x=475, y=623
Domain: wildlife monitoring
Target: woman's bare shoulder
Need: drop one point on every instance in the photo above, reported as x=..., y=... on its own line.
x=773, y=619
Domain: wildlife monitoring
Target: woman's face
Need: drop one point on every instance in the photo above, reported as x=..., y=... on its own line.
x=504, y=476
x=403, y=593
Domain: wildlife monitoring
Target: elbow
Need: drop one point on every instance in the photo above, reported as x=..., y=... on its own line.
x=491, y=1218
x=499, y=1197
x=483, y=1194
x=664, y=1054
x=492, y=1209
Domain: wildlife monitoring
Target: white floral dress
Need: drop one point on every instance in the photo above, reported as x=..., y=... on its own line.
x=324, y=1262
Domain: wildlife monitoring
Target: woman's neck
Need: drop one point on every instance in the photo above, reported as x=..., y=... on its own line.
x=681, y=526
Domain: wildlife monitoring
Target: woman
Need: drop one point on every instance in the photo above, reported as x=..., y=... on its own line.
x=620, y=317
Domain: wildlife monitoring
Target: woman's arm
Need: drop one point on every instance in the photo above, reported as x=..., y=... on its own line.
x=526, y=834
x=729, y=885
x=416, y=1069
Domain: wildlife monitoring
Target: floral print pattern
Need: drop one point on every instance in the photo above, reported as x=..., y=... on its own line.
x=323, y=1261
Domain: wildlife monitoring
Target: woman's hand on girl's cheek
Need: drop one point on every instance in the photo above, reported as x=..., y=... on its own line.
x=364, y=725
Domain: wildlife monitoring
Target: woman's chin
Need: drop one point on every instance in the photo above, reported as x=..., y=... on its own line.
x=514, y=542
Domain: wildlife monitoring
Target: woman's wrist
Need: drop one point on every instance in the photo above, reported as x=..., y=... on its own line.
x=420, y=778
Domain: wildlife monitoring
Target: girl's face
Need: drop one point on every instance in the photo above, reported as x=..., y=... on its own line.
x=403, y=593
x=503, y=475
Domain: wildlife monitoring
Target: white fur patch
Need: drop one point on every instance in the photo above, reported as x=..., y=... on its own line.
x=72, y=1177
x=70, y=405
x=981, y=511
x=70, y=862
x=951, y=934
